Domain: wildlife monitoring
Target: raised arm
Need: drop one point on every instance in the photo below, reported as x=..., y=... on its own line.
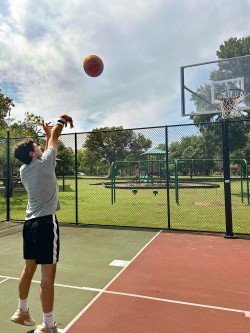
x=63, y=120
x=47, y=129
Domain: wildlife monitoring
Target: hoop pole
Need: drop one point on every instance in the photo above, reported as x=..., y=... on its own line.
x=227, y=187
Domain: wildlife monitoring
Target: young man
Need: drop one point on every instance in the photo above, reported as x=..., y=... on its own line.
x=40, y=230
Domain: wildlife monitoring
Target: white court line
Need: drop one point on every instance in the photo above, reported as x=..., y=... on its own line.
x=247, y=313
x=160, y=299
x=100, y=291
x=103, y=291
x=4, y=280
x=119, y=263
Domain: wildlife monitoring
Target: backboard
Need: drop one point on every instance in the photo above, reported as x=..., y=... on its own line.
x=201, y=82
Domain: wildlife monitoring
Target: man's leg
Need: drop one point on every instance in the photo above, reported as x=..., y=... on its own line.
x=47, y=296
x=47, y=287
x=22, y=316
x=26, y=277
x=49, y=235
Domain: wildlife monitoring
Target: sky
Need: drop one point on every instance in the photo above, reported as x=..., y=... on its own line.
x=143, y=44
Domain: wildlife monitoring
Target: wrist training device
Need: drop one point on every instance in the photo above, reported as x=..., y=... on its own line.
x=61, y=121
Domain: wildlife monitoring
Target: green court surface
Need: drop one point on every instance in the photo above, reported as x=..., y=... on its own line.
x=86, y=253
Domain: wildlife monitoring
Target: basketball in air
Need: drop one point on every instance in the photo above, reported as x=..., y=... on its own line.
x=93, y=65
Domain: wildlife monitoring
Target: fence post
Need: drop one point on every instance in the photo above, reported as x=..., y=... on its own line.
x=76, y=180
x=167, y=174
x=8, y=177
x=227, y=186
x=112, y=183
x=176, y=186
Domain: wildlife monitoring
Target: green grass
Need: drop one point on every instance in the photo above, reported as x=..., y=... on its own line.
x=198, y=209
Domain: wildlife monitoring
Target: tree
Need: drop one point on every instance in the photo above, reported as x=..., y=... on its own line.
x=89, y=165
x=161, y=146
x=31, y=126
x=6, y=104
x=233, y=47
x=138, y=145
x=238, y=133
x=115, y=144
x=65, y=160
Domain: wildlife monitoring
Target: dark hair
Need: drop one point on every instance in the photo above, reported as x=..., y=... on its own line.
x=22, y=150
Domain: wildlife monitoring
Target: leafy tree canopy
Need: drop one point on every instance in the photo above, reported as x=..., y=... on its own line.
x=233, y=47
x=65, y=159
x=6, y=104
x=115, y=144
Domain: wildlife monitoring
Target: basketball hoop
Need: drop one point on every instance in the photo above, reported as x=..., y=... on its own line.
x=229, y=100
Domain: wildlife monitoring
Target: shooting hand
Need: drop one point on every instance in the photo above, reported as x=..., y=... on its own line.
x=68, y=120
x=47, y=128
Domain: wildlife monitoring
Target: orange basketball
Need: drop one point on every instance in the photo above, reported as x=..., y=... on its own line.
x=93, y=65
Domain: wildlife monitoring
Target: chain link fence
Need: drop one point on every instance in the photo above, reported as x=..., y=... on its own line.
x=159, y=177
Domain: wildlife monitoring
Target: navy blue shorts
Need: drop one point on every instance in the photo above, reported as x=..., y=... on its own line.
x=41, y=239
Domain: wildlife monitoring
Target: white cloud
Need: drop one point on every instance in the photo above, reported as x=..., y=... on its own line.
x=139, y=112
x=143, y=44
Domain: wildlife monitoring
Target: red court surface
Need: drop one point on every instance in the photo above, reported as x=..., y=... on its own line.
x=180, y=282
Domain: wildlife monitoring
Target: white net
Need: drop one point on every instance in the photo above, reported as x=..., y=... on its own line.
x=229, y=100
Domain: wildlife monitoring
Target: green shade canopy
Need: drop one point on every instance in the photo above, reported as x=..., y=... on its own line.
x=154, y=152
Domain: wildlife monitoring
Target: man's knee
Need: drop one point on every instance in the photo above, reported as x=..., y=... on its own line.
x=30, y=267
x=48, y=274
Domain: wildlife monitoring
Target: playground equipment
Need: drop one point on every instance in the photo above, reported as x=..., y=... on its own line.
x=241, y=162
x=154, y=175
x=145, y=178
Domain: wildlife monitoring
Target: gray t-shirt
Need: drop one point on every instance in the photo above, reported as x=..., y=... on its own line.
x=39, y=180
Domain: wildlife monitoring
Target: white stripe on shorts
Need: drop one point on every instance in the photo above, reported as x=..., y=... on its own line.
x=55, y=240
